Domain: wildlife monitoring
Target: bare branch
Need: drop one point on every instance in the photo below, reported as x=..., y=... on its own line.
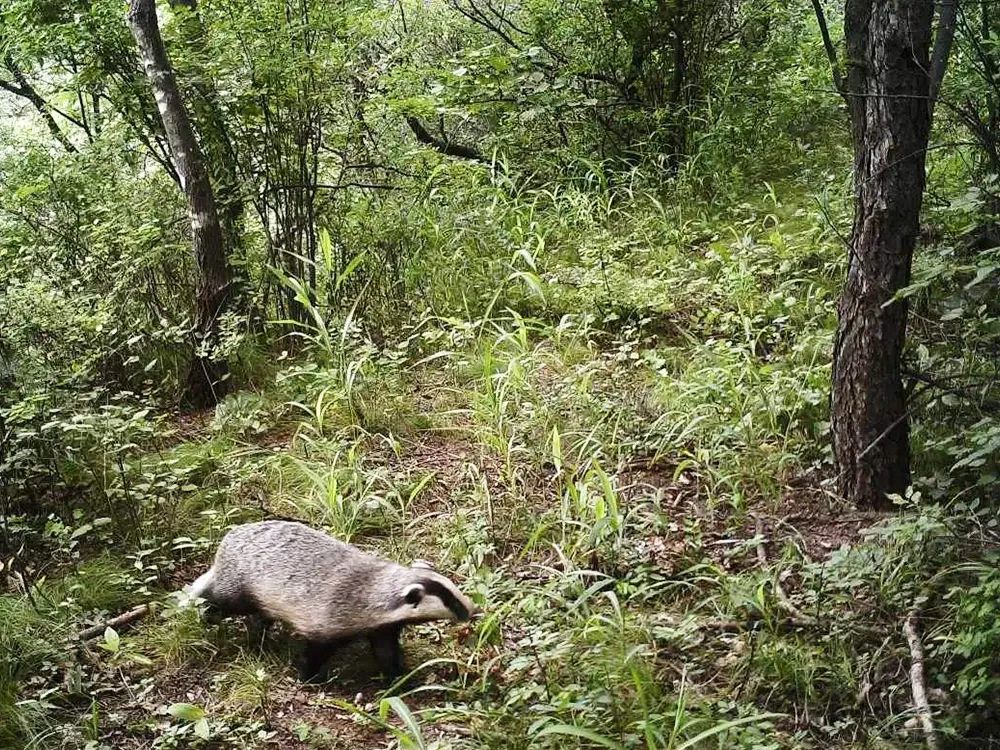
x=25, y=90
x=128, y=618
x=444, y=145
x=786, y=604
x=831, y=52
x=918, y=685
x=338, y=186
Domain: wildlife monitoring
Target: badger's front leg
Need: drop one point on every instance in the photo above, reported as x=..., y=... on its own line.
x=388, y=653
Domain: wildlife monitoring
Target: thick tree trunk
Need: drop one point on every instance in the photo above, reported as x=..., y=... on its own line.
x=888, y=44
x=206, y=380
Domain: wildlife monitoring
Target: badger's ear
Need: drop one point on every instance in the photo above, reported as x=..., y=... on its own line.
x=413, y=594
x=422, y=564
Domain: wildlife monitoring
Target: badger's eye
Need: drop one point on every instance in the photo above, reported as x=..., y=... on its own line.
x=413, y=594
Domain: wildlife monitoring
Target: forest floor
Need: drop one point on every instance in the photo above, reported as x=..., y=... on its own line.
x=293, y=715
x=632, y=481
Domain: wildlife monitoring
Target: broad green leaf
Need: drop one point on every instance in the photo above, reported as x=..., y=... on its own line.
x=571, y=731
x=186, y=711
x=112, y=641
x=725, y=727
x=201, y=728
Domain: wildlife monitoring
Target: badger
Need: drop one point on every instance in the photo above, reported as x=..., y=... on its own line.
x=327, y=591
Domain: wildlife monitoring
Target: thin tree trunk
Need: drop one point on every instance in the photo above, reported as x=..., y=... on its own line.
x=216, y=141
x=206, y=380
x=947, y=16
x=831, y=52
x=678, y=100
x=888, y=43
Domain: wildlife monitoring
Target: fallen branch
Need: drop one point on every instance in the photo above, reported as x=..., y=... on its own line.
x=779, y=592
x=444, y=145
x=121, y=621
x=453, y=729
x=917, y=682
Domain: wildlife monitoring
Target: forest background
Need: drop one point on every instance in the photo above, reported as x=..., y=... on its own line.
x=545, y=292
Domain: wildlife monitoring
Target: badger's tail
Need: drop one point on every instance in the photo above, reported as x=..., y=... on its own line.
x=202, y=585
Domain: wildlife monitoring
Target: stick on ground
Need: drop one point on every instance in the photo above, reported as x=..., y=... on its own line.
x=779, y=591
x=123, y=620
x=918, y=685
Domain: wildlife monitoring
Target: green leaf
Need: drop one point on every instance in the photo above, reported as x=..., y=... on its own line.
x=725, y=727
x=186, y=712
x=326, y=250
x=981, y=273
x=201, y=728
x=112, y=641
x=409, y=720
x=349, y=270
x=587, y=734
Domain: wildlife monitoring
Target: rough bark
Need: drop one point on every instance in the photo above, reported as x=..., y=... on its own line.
x=206, y=379
x=888, y=44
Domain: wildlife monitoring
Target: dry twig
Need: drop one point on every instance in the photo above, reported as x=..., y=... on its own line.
x=123, y=620
x=786, y=603
x=917, y=682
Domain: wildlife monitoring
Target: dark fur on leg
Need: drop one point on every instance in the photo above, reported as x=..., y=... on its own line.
x=314, y=659
x=257, y=625
x=388, y=653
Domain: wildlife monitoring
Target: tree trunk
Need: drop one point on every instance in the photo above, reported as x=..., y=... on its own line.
x=206, y=379
x=888, y=43
x=210, y=124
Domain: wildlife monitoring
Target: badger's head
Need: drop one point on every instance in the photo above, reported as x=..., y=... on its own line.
x=430, y=596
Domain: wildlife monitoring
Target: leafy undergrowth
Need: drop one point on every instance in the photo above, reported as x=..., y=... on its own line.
x=637, y=495
x=625, y=604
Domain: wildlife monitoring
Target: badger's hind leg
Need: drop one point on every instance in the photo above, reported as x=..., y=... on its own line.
x=220, y=608
x=314, y=660
x=257, y=624
x=387, y=650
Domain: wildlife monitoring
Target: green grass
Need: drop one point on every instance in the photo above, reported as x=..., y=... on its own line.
x=578, y=431
x=26, y=644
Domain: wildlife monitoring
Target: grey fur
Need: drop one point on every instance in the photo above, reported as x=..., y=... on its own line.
x=324, y=589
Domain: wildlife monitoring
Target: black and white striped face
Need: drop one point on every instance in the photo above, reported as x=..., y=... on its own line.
x=430, y=596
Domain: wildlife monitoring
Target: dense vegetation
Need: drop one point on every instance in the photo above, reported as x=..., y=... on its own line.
x=544, y=292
